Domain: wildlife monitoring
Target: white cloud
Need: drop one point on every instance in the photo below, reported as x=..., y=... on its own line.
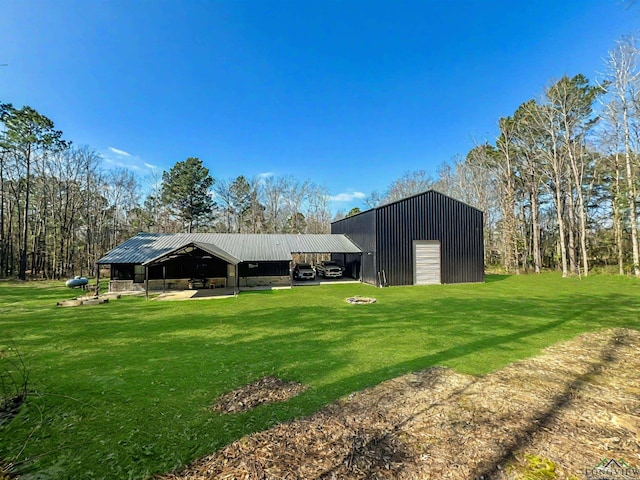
x=149, y=166
x=347, y=197
x=116, y=163
x=265, y=175
x=122, y=153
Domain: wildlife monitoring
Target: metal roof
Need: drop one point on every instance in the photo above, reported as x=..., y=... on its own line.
x=431, y=191
x=244, y=247
x=206, y=247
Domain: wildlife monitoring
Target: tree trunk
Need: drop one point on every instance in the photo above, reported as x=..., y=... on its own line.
x=3, y=238
x=535, y=221
x=22, y=273
x=632, y=194
x=578, y=174
x=617, y=217
x=561, y=228
x=571, y=231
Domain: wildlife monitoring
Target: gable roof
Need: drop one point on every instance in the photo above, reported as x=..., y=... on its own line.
x=232, y=247
x=426, y=192
x=206, y=247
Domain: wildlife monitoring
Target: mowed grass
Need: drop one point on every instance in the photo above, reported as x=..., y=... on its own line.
x=122, y=390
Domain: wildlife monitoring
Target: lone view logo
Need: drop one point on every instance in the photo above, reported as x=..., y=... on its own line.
x=613, y=463
x=611, y=469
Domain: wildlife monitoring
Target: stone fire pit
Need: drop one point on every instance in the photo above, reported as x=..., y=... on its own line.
x=357, y=300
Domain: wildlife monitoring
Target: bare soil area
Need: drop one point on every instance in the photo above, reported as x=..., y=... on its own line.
x=553, y=416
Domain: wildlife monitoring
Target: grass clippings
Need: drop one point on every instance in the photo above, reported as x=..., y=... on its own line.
x=567, y=409
x=263, y=390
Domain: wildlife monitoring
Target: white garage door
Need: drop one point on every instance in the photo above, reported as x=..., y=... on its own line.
x=427, y=262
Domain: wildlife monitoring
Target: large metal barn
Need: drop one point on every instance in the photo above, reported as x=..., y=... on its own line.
x=428, y=238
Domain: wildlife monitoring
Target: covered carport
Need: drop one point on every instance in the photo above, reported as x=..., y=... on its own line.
x=204, y=264
x=336, y=247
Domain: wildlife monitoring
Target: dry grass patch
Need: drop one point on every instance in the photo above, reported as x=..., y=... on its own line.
x=553, y=416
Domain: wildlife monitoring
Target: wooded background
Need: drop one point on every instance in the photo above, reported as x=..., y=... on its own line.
x=559, y=188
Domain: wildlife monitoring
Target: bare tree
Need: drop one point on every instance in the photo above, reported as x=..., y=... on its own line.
x=224, y=199
x=410, y=183
x=256, y=213
x=501, y=161
x=273, y=191
x=294, y=196
x=122, y=194
x=527, y=139
x=571, y=101
x=153, y=205
x=621, y=81
x=553, y=164
x=474, y=183
x=318, y=211
x=373, y=200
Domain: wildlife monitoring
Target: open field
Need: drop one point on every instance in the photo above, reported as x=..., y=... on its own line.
x=123, y=390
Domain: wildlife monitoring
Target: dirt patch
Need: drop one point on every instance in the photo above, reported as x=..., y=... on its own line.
x=10, y=407
x=550, y=417
x=263, y=390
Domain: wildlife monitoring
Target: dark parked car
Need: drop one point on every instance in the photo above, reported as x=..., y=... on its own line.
x=303, y=271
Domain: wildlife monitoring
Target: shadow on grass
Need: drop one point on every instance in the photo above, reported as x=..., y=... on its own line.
x=543, y=419
x=494, y=277
x=147, y=371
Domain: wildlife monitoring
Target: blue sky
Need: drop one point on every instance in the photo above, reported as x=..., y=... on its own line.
x=350, y=94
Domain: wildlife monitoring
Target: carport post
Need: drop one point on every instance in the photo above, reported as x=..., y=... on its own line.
x=344, y=264
x=164, y=272
x=97, y=280
x=146, y=282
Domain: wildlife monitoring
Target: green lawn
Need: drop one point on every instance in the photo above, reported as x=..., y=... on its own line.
x=122, y=390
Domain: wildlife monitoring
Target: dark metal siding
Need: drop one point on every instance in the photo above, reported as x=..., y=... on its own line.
x=430, y=216
x=263, y=269
x=190, y=267
x=361, y=230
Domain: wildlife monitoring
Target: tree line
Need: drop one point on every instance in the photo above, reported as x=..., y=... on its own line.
x=558, y=188
x=187, y=198
x=61, y=209
x=559, y=185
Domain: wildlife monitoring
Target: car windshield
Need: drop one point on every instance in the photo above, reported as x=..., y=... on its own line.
x=304, y=265
x=331, y=264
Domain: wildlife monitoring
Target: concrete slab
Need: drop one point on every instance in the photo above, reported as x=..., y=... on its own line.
x=323, y=281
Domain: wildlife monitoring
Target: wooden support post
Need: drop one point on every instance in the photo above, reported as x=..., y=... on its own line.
x=97, y=280
x=164, y=277
x=146, y=282
x=237, y=288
